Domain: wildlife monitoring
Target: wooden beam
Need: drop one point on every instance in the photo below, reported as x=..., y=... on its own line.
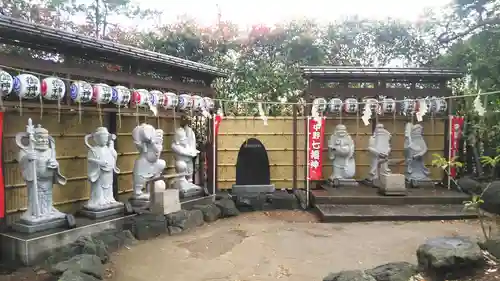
x=84, y=71
x=397, y=93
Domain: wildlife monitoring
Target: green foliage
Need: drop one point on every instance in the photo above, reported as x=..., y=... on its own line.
x=443, y=163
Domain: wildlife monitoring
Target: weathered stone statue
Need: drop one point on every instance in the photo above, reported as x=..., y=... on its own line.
x=379, y=146
x=184, y=154
x=341, y=151
x=149, y=143
x=101, y=165
x=40, y=170
x=415, y=148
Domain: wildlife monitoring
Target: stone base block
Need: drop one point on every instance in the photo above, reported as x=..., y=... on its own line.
x=32, y=228
x=281, y=199
x=166, y=202
x=393, y=185
x=265, y=188
x=139, y=203
x=97, y=214
x=419, y=183
x=32, y=248
x=341, y=183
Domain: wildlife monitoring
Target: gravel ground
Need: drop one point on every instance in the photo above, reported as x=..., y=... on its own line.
x=277, y=246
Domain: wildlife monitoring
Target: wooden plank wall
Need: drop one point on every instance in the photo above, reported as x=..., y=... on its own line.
x=277, y=137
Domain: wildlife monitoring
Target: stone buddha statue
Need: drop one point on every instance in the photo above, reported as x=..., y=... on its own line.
x=341, y=152
x=415, y=148
x=379, y=145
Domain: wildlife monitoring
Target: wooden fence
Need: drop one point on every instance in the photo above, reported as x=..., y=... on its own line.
x=278, y=135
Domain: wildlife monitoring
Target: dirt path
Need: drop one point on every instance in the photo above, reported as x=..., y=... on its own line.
x=268, y=246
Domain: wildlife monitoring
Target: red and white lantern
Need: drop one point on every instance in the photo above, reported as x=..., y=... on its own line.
x=140, y=97
x=53, y=88
x=102, y=93
x=170, y=100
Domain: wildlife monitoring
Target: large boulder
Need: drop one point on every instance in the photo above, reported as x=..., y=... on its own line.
x=87, y=264
x=492, y=245
x=252, y=201
x=395, y=271
x=147, y=226
x=183, y=220
x=70, y=275
x=350, y=275
x=281, y=199
x=115, y=239
x=227, y=207
x=470, y=185
x=210, y=212
x=491, y=198
x=301, y=197
x=449, y=257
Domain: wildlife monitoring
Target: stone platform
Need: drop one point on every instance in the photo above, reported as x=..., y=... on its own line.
x=364, y=203
x=29, y=249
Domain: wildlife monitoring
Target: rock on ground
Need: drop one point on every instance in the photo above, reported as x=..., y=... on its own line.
x=210, y=212
x=492, y=245
x=227, y=208
x=183, y=220
x=88, y=264
x=250, y=202
x=350, y=275
x=491, y=198
x=147, y=226
x=449, y=256
x=70, y=275
x=301, y=197
x=395, y=271
x=470, y=185
x=281, y=199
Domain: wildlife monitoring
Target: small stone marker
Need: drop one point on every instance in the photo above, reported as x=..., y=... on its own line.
x=392, y=184
x=165, y=201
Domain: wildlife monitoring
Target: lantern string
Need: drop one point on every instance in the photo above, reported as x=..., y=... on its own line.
x=41, y=100
x=119, y=117
x=99, y=112
x=79, y=112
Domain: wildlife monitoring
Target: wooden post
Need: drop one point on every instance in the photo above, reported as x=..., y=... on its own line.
x=294, y=141
x=3, y=201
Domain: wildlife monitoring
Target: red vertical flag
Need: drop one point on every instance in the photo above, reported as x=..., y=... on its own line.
x=457, y=124
x=315, y=151
x=217, y=120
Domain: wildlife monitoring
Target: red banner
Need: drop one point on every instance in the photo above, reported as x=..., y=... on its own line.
x=217, y=120
x=457, y=124
x=2, y=183
x=315, y=151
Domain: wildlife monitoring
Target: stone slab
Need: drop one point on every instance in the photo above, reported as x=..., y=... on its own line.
x=340, y=183
x=139, y=203
x=238, y=189
x=393, y=185
x=93, y=214
x=31, y=249
x=166, y=201
x=32, y=228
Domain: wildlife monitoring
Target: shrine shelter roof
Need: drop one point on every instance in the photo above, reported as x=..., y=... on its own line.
x=39, y=37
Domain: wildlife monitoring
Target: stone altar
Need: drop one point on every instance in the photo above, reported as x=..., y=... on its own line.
x=379, y=145
x=184, y=147
x=149, y=143
x=415, y=148
x=341, y=151
x=101, y=166
x=40, y=170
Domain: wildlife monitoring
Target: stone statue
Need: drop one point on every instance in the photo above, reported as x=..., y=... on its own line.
x=149, y=143
x=415, y=149
x=341, y=151
x=101, y=166
x=379, y=145
x=40, y=170
x=184, y=151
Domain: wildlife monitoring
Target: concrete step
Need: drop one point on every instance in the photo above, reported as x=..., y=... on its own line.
x=357, y=213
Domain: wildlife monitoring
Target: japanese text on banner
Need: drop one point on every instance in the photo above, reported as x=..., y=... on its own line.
x=455, y=135
x=315, y=151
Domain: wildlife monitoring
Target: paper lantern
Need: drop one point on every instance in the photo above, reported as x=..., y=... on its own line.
x=351, y=105
x=53, y=88
x=140, y=97
x=320, y=104
x=185, y=102
x=209, y=103
x=27, y=86
x=372, y=103
x=388, y=105
x=102, y=93
x=438, y=105
x=154, y=97
x=335, y=105
x=198, y=103
x=171, y=100
x=121, y=95
x=6, y=83
x=81, y=91
x=408, y=106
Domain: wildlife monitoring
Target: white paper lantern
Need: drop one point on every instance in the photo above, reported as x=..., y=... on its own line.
x=81, y=91
x=335, y=105
x=209, y=103
x=53, y=88
x=140, y=97
x=372, y=103
x=388, y=105
x=185, y=102
x=27, y=86
x=154, y=97
x=102, y=93
x=351, y=105
x=171, y=100
x=198, y=103
x=408, y=106
x=6, y=83
x=320, y=104
x=438, y=105
x=120, y=96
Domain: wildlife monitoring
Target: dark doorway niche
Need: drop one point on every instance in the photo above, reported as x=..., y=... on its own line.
x=252, y=168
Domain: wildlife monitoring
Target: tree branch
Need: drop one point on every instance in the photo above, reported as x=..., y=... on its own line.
x=444, y=38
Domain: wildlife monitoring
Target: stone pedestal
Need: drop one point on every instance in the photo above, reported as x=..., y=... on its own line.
x=341, y=182
x=392, y=185
x=139, y=203
x=97, y=214
x=166, y=201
